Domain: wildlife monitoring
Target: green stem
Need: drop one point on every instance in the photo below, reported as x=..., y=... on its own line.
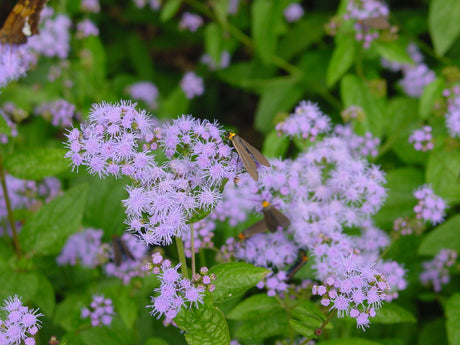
x=330, y=316
x=181, y=253
x=193, y=249
x=17, y=247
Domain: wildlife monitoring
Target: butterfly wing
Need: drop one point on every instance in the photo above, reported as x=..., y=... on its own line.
x=256, y=153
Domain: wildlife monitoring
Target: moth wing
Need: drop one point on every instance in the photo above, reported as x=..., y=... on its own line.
x=256, y=153
x=255, y=228
x=275, y=218
x=248, y=162
x=297, y=266
x=117, y=255
x=380, y=22
x=126, y=250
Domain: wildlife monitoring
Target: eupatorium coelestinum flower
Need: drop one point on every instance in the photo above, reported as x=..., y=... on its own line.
x=274, y=283
x=224, y=61
x=430, y=207
x=366, y=145
x=144, y=91
x=415, y=79
x=190, y=22
x=59, y=113
x=293, y=12
x=307, y=122
x=100, y=311
x=192, y=85
x=21, y=323
x=86, y=28
x=422, y=139
x=453, y=111
x=176, y=291
x=436, y=271
x=90, y=6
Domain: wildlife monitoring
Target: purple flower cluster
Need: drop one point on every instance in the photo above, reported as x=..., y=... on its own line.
x=422, y=139
x=154, y=4
x=176, y=291
x=234, y=207
x=405, y=226
x=224, y=61
x=14, y=62
x=144, y=91
x=203, y=232
x=21, y=323
x=100, y=311
x=293, y=12
x=129, y=268
x=430, y=207
x=274, y=283
x=60, y=112
x=366, y=145
x=355, y=291
x=307, y=121
x=436, y=271
x=361, y=10
x=190, y=22
x=90, y=6
x=86, y=28
x=415, y=79
x=192, y=85
x=453, y=111
x=84, y=248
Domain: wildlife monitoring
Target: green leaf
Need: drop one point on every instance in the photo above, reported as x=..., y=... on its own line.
x=392, y=313
x=431, y=93
x=395, y=51
x=446, y=235
x=264, y=326
x=205, y=325
x=275, y=145
x=452, y=307
x=24, y=285
x=342, y=58
x=307, y=310
x=35, y=164
x=442, y=173
x=4, y=128
x=140, y=57
x=126, y=306
x=235, y=278
x=254, y=306
x=433, y=332
x=302, y=328
x=355, y=92
x=68, y=312
x=156, y=341
x=443, y=19
x=213, y=40
x=45, y=297
x=176, y=104
x=46, y=231
x=169, y=9
x=349, y=341
x=265, y=16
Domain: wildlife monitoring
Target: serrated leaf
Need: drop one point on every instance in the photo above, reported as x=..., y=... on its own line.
x=392, y=313
x=301, y=328
x=442, y=173
x=45, y=297
x=4, y=128
x=446, y=235
x=443, y=19
x=452, y=307
x=24, y=285
x=213, y=40
x=254, y=306
x=431, y=93
x=46, y=231
x=394, y=51
x=275, y=145
x=235, y=278
x=264, y=327
x=205, y=325
x=35, y=164
x=169, y=9
x=342, y=58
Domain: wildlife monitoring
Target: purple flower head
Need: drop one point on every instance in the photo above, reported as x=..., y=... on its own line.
x=233, y=6
x=86, y=28
x=60, y=113
x=415, y=79
x=90, y=6
x=395, y=276
x=224, y=61
x=14, y=62
x=307, y=121
x=422, y=139
x=453, y=112
x=436, y=272
x=144, y=91
x=84, y=248
x=203, y=233
x=21, y=323
x=293, y=12
x=366, y=145
x=129, y=268
x=154, y=4
x=274, y=283
x=190, y=22
x=100, y=311
x=430, y=207
x=192, y=85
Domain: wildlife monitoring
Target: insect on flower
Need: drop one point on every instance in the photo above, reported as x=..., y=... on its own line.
x=120, y=250
x=249, y=154
x=380, y=22
x=296, y=266
x=22, y=22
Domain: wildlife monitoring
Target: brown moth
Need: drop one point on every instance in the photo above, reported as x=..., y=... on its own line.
x=274, y=218
x=380, y=22
x=22, y=22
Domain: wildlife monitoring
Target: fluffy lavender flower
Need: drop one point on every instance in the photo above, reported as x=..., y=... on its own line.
x=233, y=6
x=144, y=91
x=265, y=250
x=415, y=79
x=90, y=6
x=190, y=22
x=128, y=268
x=453, y=113
x=21, y=323
x=360, y=146
x=274, y=283
x=436, y=271
x=100, y=311
x=154, y=4
x=430, y=207
x=307, y=121
x=224, y=61
x=293, y=12
x=59, y=112
x=422, y=139
x=203, y=232
x=355, y=290
x=176, y=291
x=192, y=85
x=14, y=63
x=87, y=28
x=83, y=248
x=234, y=207
x=395, y=276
